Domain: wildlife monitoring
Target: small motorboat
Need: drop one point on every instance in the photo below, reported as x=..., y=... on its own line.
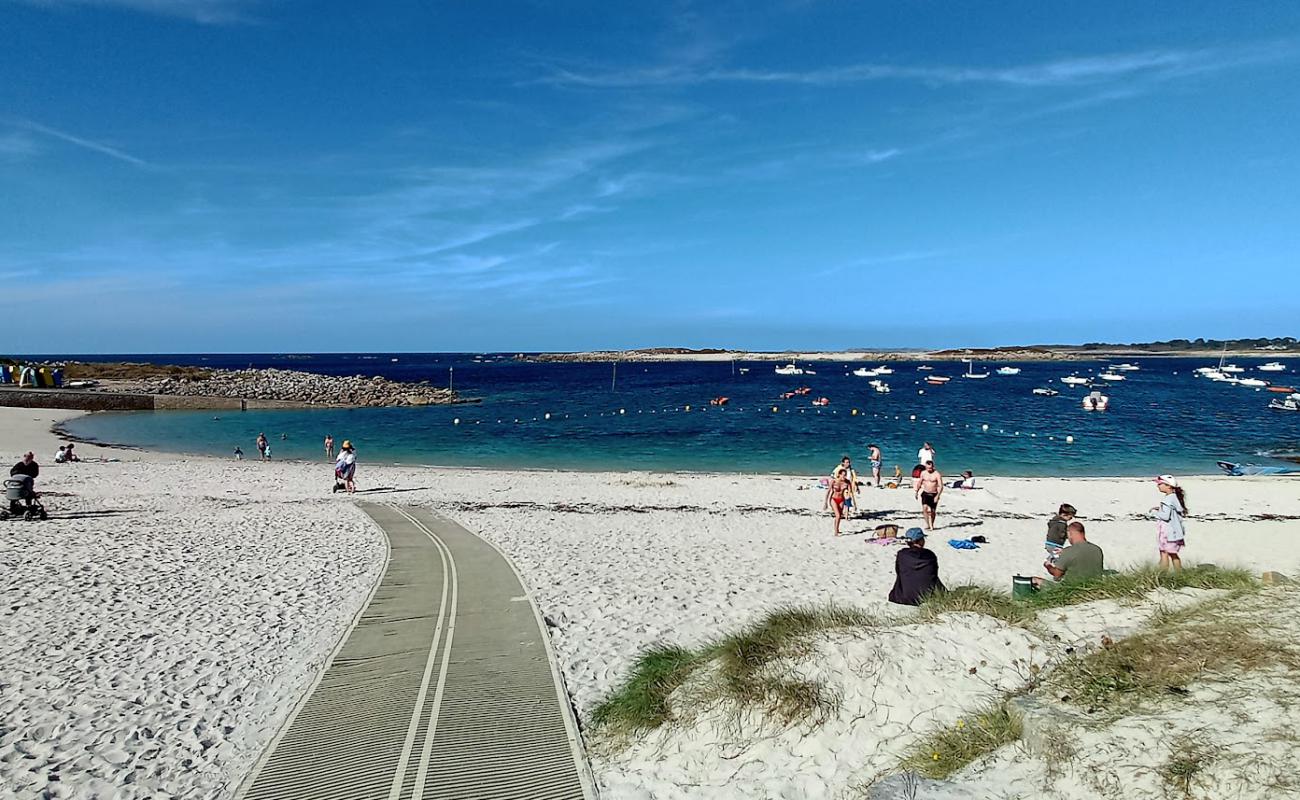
x=1124, y=367
x=1284, y=404
x=882, y=388
x=788, y=369
x=1254, y=383
x=863, y=372
x=924, y=368
x=884, y=370
x=1282, y=389
x=1272, y=366
x=1043, y=391
x=1231, y=368
x=1095, y=401
x=970, y=370
x=1008, y=370
x=809, y=372
x=803, y=391
x=1111, y=376
x=719, y=401
x=787, y=395
x=743, y=370
x=937, y=380
x=1074, y=380
x=822, y=401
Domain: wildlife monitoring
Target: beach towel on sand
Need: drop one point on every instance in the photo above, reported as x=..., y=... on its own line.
x=962, y=544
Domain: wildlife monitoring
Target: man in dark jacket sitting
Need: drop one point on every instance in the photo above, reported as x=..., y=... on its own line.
x=917, y=571
x=27, y=466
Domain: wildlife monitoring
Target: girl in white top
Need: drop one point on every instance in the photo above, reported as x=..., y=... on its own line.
x=1171, y=536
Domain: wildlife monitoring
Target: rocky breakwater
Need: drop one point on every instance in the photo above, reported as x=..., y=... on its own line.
x=290, y=387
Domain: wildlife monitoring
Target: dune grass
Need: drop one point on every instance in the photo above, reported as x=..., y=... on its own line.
x=977, y=600
x=743, y=667
x=1163, y=660
x=941, y=754
x=1134, y=585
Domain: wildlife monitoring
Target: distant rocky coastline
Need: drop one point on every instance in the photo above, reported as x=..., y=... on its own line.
x=267, y=387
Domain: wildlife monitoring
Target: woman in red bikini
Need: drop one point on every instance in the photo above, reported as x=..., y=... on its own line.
x=835, y=494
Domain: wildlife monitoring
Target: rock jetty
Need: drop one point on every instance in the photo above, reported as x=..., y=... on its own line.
x=293, y=387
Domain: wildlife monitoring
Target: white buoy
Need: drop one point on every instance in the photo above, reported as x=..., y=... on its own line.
x=622, y=411
x=985, y=427
x=456, y=421
x=920, y=391
x=548, y=415
x=912, y=418
x=1069, y=440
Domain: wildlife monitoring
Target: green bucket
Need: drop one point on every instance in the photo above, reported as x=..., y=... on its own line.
x=1022, y=586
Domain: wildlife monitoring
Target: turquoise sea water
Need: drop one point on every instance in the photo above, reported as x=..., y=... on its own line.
x=1161, y=419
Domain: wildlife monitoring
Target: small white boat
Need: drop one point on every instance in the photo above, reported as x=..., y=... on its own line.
x=937, y=380
x=1095, y=401
x=1231, y=368
x=1272, y=366
x=743, y=370
x=1295, y=397
x=788, y=369
x=1043, y=391
x=883, y=388
x=1254, y=383
x=1111, y=376
x=925, y=368
x=1008, y=370
x=1285, y=404
x=970, y=370
x=884, y=370
x=1125, y=367
x=809, y=372
x=863, y=372
x=1074, y=380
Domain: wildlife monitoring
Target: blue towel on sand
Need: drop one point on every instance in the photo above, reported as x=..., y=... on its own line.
x=962, y=544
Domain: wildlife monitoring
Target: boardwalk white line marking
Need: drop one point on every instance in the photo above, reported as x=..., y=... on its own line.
x=399, y=775
x=422, y=771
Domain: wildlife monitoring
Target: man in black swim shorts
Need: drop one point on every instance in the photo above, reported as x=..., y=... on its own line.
x=929, y=487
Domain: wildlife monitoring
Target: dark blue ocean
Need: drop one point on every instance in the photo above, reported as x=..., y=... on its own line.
x=1161, y=419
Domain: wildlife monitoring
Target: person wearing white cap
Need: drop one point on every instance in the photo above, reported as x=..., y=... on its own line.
x=1171, y=535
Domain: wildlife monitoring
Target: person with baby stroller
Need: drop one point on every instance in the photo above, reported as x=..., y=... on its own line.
x=20, y=491
x=345, y=468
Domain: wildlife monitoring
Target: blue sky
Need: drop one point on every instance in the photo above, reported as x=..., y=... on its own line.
x=236, y=175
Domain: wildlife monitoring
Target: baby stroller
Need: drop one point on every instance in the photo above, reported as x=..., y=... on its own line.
x=20, y=492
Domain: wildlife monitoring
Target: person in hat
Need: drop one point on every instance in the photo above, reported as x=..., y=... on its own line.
x=916, y=571
x=1170, y=534
x=345, y=467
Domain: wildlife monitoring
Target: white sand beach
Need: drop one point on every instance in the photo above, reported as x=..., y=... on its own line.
x=162, y=624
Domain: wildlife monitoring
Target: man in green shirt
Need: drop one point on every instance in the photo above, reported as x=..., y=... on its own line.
x=1080, y=561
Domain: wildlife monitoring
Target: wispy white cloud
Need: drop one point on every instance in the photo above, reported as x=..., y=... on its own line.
x=18, y=145
x=207, y=12
x=82, y=142
x=1073, y=71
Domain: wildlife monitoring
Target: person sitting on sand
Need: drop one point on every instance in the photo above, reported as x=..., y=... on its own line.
x=836, y=494
x=929, y=487
x=1078, y=562
x=1056, y=529
x=966, y=481
x=1169, y=522
x=62, y=455
x=916, y=571
x=345, y=468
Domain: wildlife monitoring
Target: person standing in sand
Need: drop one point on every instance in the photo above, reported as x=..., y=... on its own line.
x=345, y=467
x=329, y=445
x=1170, y=534
x=835, y=496
x=876, y=458
x=925, y=455
x=845, y=468
x=929, y=486
x=262, y=444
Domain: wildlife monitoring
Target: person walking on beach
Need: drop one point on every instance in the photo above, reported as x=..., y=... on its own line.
x=345, y=468
x=835, y=496
x=329, y=445
x=929, y=486
x=916, y=571
x=262, y=444
x=876, y=459
x=845, y=468
x=1170, y=534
